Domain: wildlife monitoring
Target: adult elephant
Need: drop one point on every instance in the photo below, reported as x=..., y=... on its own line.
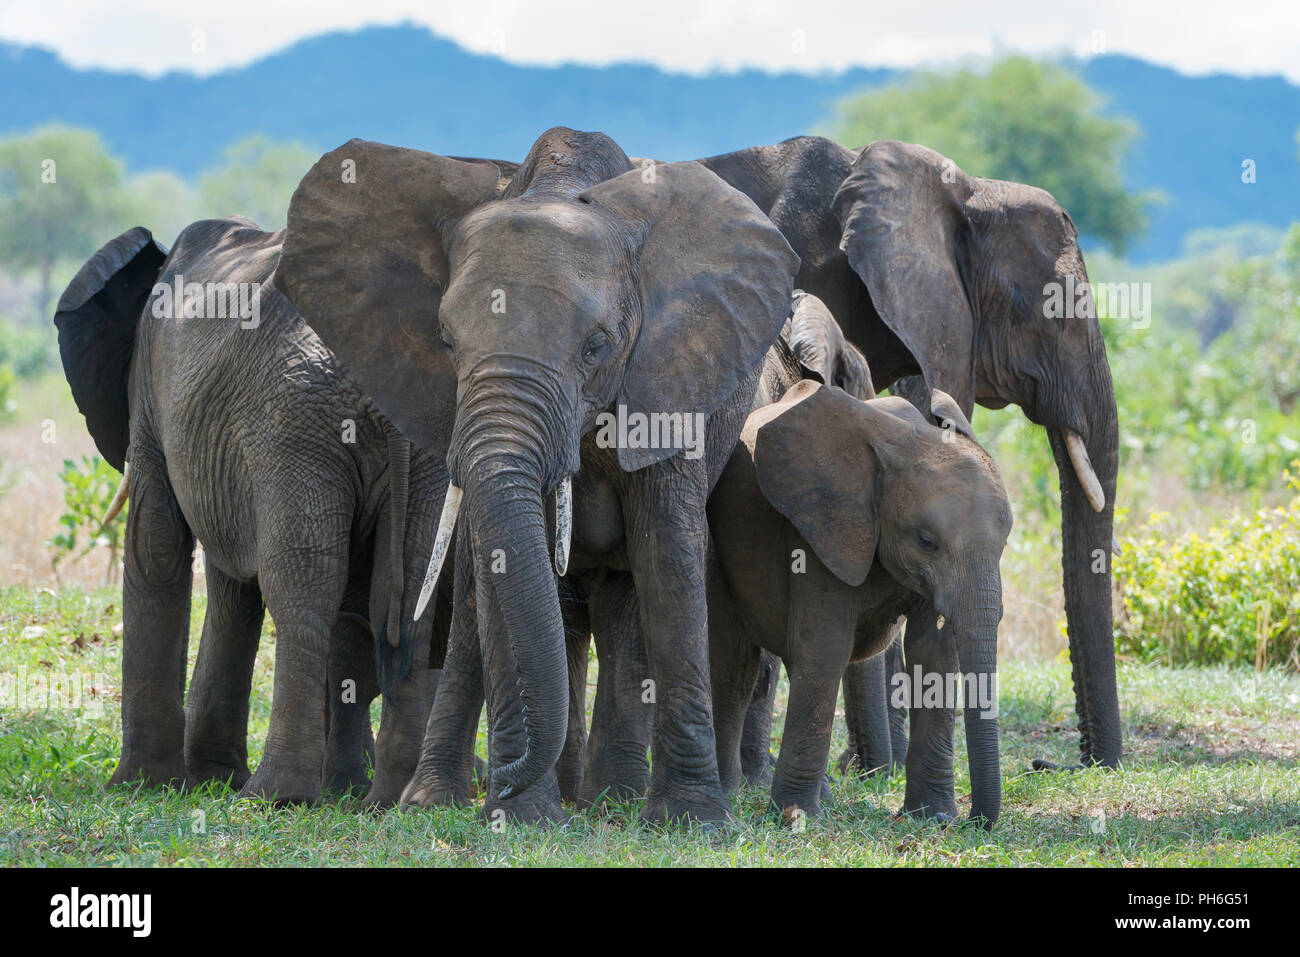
x=956, y=279
x=241, y=430
x=585, y=287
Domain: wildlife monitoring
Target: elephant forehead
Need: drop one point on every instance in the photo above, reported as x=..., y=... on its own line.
x=525, y=230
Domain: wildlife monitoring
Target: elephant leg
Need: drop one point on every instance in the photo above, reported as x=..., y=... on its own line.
x=445, y=771
x=622, y=718
x=756, y=759
x=866, y=712
x=667, y=544
x=304, y=594
x=577, y=631
x=896, y=672
x=734, y=668
x=877, y=728
x=216, y=708
x=155, y=627
x=352, y=686
x=930, y=781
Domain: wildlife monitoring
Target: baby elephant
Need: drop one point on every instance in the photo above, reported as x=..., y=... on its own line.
x=833, y=517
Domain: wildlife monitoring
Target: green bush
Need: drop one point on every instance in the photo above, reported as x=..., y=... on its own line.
x=88, y=490
x=1230, y=596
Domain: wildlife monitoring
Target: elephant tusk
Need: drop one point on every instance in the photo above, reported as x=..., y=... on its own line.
x=119, y=499
x=563, y=525
x=446, y=525
x=1114, y=545
x=1083, y=469
x=940, y=622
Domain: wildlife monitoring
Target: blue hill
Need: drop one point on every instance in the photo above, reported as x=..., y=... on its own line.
x=405, y=85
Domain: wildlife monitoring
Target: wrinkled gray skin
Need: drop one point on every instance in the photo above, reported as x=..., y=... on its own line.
x=941, y=276
x=921, y=519
x=254, y=442
x=582, y=285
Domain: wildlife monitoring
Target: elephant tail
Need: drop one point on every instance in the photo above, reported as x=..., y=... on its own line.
x=97, y=317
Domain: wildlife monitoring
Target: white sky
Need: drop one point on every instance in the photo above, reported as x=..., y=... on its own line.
x=1196, y=36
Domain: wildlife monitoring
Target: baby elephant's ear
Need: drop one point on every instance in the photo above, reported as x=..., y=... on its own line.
x=947, y=414
x=816, y=469
x=716, y=278
x=363, y=262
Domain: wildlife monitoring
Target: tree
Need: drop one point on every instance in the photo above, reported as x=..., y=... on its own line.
x=257, y=180
x=61, y=198
x=1018, y=120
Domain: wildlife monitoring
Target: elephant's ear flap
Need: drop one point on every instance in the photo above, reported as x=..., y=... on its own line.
x=716, y=278
x=97, y=316
x=906, y=233
x=364, y=263
x=819, y=473
x=948, y=415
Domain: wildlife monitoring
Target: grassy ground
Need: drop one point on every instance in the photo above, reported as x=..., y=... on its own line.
x=1210, y=778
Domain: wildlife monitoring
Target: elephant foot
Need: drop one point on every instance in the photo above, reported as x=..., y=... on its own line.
x=934, y=809
x=617, y=781
x=282, y=785
x=1042, y=764
x=791, y=803
x=850, y=762
x=347, y=782
x=150, y=773
x=704, y=805
x=757, y=768
x=539, y=804
x=198, y=773
x=430, y=788
x=943, y=818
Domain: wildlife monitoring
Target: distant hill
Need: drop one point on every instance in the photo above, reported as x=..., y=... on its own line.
x=405, y=85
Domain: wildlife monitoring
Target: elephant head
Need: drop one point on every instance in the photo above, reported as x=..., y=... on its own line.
x=868, y=482
x=530, y=307
x=984, y=284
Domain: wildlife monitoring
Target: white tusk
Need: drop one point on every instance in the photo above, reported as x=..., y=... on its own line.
x=563, y=525
x=1114, y=545
x=940, y=622
x=1083, y=469
x=446, y=525
x=119, y=499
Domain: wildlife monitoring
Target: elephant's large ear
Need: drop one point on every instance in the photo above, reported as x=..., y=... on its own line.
x=815, y=468
x=364, y=263
x=937, y=247
x=716, y=278
x=97, y=317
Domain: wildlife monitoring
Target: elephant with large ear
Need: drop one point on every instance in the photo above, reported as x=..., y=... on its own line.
x=811, y=346
x=834, y=517
x=605, y=325
x=234, y=425
x=959, y=281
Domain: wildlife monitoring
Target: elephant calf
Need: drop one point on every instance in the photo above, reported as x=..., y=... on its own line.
x=833, y=517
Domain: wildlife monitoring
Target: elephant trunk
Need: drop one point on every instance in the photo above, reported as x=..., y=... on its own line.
x=1087, y=534
x=498, y=454
x=977, y=616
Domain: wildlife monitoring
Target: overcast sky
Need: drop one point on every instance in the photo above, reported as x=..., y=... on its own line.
x=1197, y=36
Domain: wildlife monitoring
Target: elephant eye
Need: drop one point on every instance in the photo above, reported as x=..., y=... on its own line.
x=928, y=542
x=595, y=348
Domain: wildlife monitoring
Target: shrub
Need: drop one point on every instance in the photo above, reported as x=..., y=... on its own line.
x=88, y=490
x=1229, y=596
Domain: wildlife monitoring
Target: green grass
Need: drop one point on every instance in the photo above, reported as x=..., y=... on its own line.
x=1210, y=777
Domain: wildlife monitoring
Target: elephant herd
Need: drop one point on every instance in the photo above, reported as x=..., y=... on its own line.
x=461, y=418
